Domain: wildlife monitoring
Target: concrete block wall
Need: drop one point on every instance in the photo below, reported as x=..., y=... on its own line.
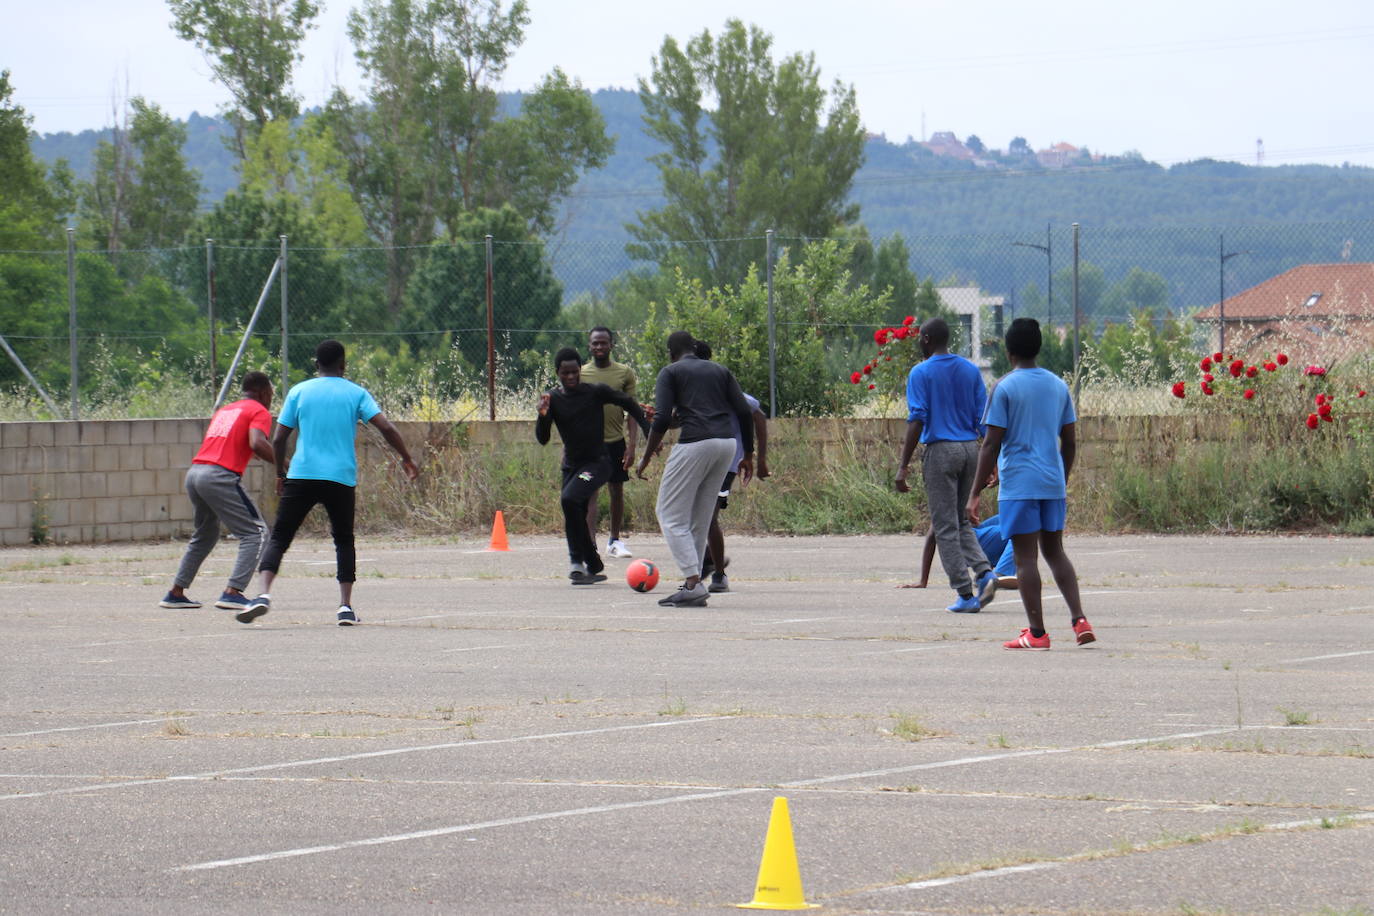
x=118, y=480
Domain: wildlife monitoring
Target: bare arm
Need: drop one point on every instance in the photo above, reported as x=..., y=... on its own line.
x=279, y=440
x=913, y=435
x=1068, y=447
x=398, y=445
x=760, y=444
x=651, y=446
x=261, y=445
x=987, y=464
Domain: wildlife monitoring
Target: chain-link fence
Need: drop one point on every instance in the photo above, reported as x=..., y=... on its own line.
x=102, y=333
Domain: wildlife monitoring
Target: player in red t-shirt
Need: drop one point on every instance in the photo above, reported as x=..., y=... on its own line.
x=237, y=432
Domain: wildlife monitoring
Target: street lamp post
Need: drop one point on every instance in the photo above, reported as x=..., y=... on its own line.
x=1049, y=272
x=1222, y=257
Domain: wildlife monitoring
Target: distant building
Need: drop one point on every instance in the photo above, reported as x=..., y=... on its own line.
x=972, y=305
x=1059, y=156
x=944, y=143
x=1316, y=313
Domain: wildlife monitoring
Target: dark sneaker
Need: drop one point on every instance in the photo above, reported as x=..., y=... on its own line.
x=987, y=587
x=1083, y=632
x=686, y=597
x=255, y=609
x=967, y=605
x=231, y=602
x=581, y=578
x=346, y=617
x=720, y=582
x=172, y=601
x=1027, y=641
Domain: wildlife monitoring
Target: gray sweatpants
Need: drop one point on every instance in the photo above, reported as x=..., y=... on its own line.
x=948, y=469
x=217, y=496
x=687, y=498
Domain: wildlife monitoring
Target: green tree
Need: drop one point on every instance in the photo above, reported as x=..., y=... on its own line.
x=142, y=194
x=892, y=273
x=252, y=47
x=1138, y=291
x=32, y=204
x=430, y=143
x=448, y=290
x=751, y=146
x=975, y=143
x=304, y=161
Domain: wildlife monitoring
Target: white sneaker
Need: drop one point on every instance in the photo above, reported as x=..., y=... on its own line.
x=618, y=549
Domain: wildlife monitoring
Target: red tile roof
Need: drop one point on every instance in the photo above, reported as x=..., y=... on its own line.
x=1345, y=289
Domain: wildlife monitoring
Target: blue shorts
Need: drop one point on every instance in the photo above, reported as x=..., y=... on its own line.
x=1026, y=516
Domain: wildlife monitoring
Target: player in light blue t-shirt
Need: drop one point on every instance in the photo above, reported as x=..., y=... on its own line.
x=1031, y=438
x=324, y=412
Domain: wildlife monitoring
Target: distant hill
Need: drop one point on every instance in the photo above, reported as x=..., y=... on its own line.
x=960, y=218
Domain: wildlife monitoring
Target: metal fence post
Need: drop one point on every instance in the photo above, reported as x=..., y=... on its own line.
x=285, y=346
x=71, y=319
x=772, y=332
x=491, y=336
x=1077, y=377
x=210, y=311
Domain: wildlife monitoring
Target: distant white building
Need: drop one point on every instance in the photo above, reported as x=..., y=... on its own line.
x=972, y=305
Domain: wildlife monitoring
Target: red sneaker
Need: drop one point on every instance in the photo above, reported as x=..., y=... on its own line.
x=1027, y=641
x=1084, y=631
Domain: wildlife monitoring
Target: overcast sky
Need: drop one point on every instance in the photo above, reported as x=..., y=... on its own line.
x=1174, y=79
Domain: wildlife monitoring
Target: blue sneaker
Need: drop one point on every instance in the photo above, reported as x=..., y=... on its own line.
x=172, y=601
x=346, y=617
x=987, y=587
x=255, y=609
x=231, y=602
x=967, y=605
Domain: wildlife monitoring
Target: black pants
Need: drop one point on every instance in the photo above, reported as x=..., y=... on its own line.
x=298, y=498
x=580, y=484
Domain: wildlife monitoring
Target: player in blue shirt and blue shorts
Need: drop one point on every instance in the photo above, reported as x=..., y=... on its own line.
x=1031, y=439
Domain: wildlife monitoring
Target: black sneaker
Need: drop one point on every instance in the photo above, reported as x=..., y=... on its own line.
x=686, y=597
x=256, y=608
x=581, y=578
x=720, y=582
x=181, y=602
x=346, y=617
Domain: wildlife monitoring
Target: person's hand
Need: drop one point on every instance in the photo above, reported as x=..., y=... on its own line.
x=913, y=585
x=900, y=481
x=281, y=486
x=761, y=469
x=648, y=411
x=411, y=470
x=544, y=404
x=628, y=461
x=643, y=463
x=992, y=479
x=746, y=470
x=973, y=509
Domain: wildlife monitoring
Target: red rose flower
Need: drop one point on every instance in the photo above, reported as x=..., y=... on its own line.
x=1361, y=394
x=855, y=377
x=1281, y=359
x=871, y=387
x=1237, y=368
x=1207, y=389
x=901, y=333
x=1180, y=389
x=1251, y=371
x=1320, y=399
x=1328, y=418
x=1205, y=364
x=1324, y=411
x=1312, y=421
x=1269, y=367
x=880, y=336
x=908, y=321
x=887, y=359
x=1209, y=378
x=1317, y=371
x=867, y=369
x=1217, y=357
x=1249, y=394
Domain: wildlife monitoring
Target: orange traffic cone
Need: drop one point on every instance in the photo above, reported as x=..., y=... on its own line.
x=498, y=533
x=779, y=886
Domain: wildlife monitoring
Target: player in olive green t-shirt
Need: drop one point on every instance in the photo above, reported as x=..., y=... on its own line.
x=620, y=441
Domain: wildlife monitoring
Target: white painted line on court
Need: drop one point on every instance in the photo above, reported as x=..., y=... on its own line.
x=990, y=873
x=1322, y=658
x=365, y=755
x=673, y=800
x=135, y=642
x=475, y=649
x=1107, y=553
x=77, y=728
x=915, y=649
x=336, y=562
x=768, y=623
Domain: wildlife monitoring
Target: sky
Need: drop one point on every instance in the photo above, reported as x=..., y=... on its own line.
x=1175, y=80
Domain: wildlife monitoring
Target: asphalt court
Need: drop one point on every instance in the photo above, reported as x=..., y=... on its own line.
x=494, y=740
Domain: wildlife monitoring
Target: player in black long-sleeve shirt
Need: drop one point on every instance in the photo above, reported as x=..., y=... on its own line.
x=578, y=411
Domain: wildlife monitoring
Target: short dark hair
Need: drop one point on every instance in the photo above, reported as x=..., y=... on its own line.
x=680, y=343
x=602, y=327
x=1024, y=339
x=329, y=354
x=937, y=329
x=256, y=381
x=701, y=349
x=567, y=354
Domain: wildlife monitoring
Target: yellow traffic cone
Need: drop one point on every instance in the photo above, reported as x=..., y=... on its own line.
x=779, y=886
x=498, y=533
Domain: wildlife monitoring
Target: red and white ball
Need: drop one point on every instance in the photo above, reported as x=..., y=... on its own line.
x=641, y=575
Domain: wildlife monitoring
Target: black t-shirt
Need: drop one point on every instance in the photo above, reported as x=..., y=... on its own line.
x=703, y=394
x=579, y=414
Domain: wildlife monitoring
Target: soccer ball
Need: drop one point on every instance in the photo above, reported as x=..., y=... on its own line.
x=641, y=575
